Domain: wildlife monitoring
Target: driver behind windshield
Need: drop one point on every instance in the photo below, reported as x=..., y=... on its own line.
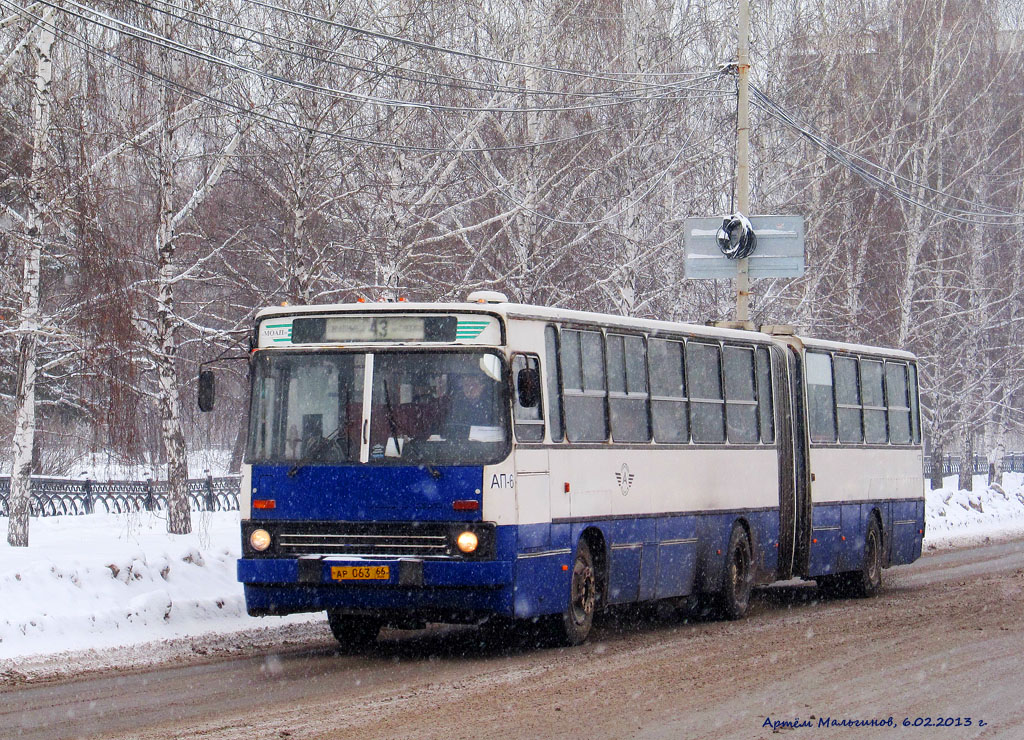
x=471, y=405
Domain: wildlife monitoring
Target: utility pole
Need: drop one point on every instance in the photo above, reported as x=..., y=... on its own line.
x=743, y=152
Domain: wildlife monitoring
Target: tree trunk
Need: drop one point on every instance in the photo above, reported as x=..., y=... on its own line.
x=936, y=479
x=28, y=326
x=967, y=464
x=238, y=449
x=165, y=349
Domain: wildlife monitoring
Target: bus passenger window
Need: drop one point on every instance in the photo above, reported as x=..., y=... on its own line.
x=551, y=373
x=707, y=408
x=873, y=395
x=740, y=404
x=821, y=411
x=583, y=380
x=766, y=409
x=627, y=388
x=668, y=392
x=899, y=404
x=848, y=400
x=529, y=423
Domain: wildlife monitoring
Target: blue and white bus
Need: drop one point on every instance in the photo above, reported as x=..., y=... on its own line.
x=464, y=462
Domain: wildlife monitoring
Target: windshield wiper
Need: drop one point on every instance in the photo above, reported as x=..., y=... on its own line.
x=392, y=421
x=315, y=450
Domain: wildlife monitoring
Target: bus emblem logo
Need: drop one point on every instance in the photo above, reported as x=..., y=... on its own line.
x=625, y=479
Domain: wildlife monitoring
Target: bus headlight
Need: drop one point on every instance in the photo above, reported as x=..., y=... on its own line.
x=467, y=542
x=259, y=540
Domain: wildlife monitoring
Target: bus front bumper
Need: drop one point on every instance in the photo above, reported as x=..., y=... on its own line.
x=312, y=583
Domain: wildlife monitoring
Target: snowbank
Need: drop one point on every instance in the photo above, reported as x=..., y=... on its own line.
x=111, y=580
x=108, y=580
x=955, y=517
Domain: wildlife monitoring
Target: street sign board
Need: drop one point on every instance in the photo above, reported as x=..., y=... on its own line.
x=779, y=252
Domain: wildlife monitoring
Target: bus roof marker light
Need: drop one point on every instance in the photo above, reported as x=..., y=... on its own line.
x=486, y=296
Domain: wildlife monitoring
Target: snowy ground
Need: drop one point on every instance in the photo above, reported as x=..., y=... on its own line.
x=104, y=581
x=101, y=466
x=110, y=580
x=962, y=518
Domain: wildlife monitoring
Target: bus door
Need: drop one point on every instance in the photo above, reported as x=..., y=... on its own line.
x=801, y=542
x=532, y=470
x=787, y=464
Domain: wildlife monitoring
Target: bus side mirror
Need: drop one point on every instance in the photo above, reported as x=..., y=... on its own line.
x=207, y=390
x=528, y=385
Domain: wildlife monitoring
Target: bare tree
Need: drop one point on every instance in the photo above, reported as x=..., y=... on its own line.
x=29, y=319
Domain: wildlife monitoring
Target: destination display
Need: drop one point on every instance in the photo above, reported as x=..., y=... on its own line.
x=341, y=329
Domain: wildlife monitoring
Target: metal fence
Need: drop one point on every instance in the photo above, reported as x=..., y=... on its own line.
x=951, y=464
x=59, y=496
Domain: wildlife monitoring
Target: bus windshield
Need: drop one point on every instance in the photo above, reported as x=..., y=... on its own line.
x=425, y=408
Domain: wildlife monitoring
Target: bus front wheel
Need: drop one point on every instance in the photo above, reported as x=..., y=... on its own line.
x=573, y=626
x=353, y=631
x=738, y=576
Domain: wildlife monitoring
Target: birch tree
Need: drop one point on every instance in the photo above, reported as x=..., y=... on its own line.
x=29, y=323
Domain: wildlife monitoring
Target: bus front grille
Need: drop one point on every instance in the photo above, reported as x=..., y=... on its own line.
x=372, y=544
x=420, y=540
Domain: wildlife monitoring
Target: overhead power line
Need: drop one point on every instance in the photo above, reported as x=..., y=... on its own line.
x=131, y=30
x=606, y=76
x=243, y=110
x=977, y=214
x=520, y=201
x=364, y=65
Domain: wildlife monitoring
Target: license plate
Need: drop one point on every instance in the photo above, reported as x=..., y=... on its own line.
x=360, y=573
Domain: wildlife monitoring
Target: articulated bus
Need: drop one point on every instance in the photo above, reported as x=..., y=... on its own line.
x=493, y=462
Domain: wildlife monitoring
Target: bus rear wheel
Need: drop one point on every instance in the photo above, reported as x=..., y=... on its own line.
x=573, y=626
x=353, y=631
x=868, y=580
x=738, y=576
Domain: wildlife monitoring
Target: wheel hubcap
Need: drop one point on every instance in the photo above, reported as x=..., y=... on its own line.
x=874, y=569
x=739, y=574
x=584, y=592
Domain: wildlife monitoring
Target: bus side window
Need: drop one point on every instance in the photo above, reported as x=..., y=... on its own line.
x=627, y=388
x=872, y=394
x=527, y=401
x=669, y=412
x=821, y=410
x=898, y=403
x=740, y=401
x=915, y=407
x=583, y=381
x=851, y=427
x=554, y=391
x=766, y=409
x=704, y=377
